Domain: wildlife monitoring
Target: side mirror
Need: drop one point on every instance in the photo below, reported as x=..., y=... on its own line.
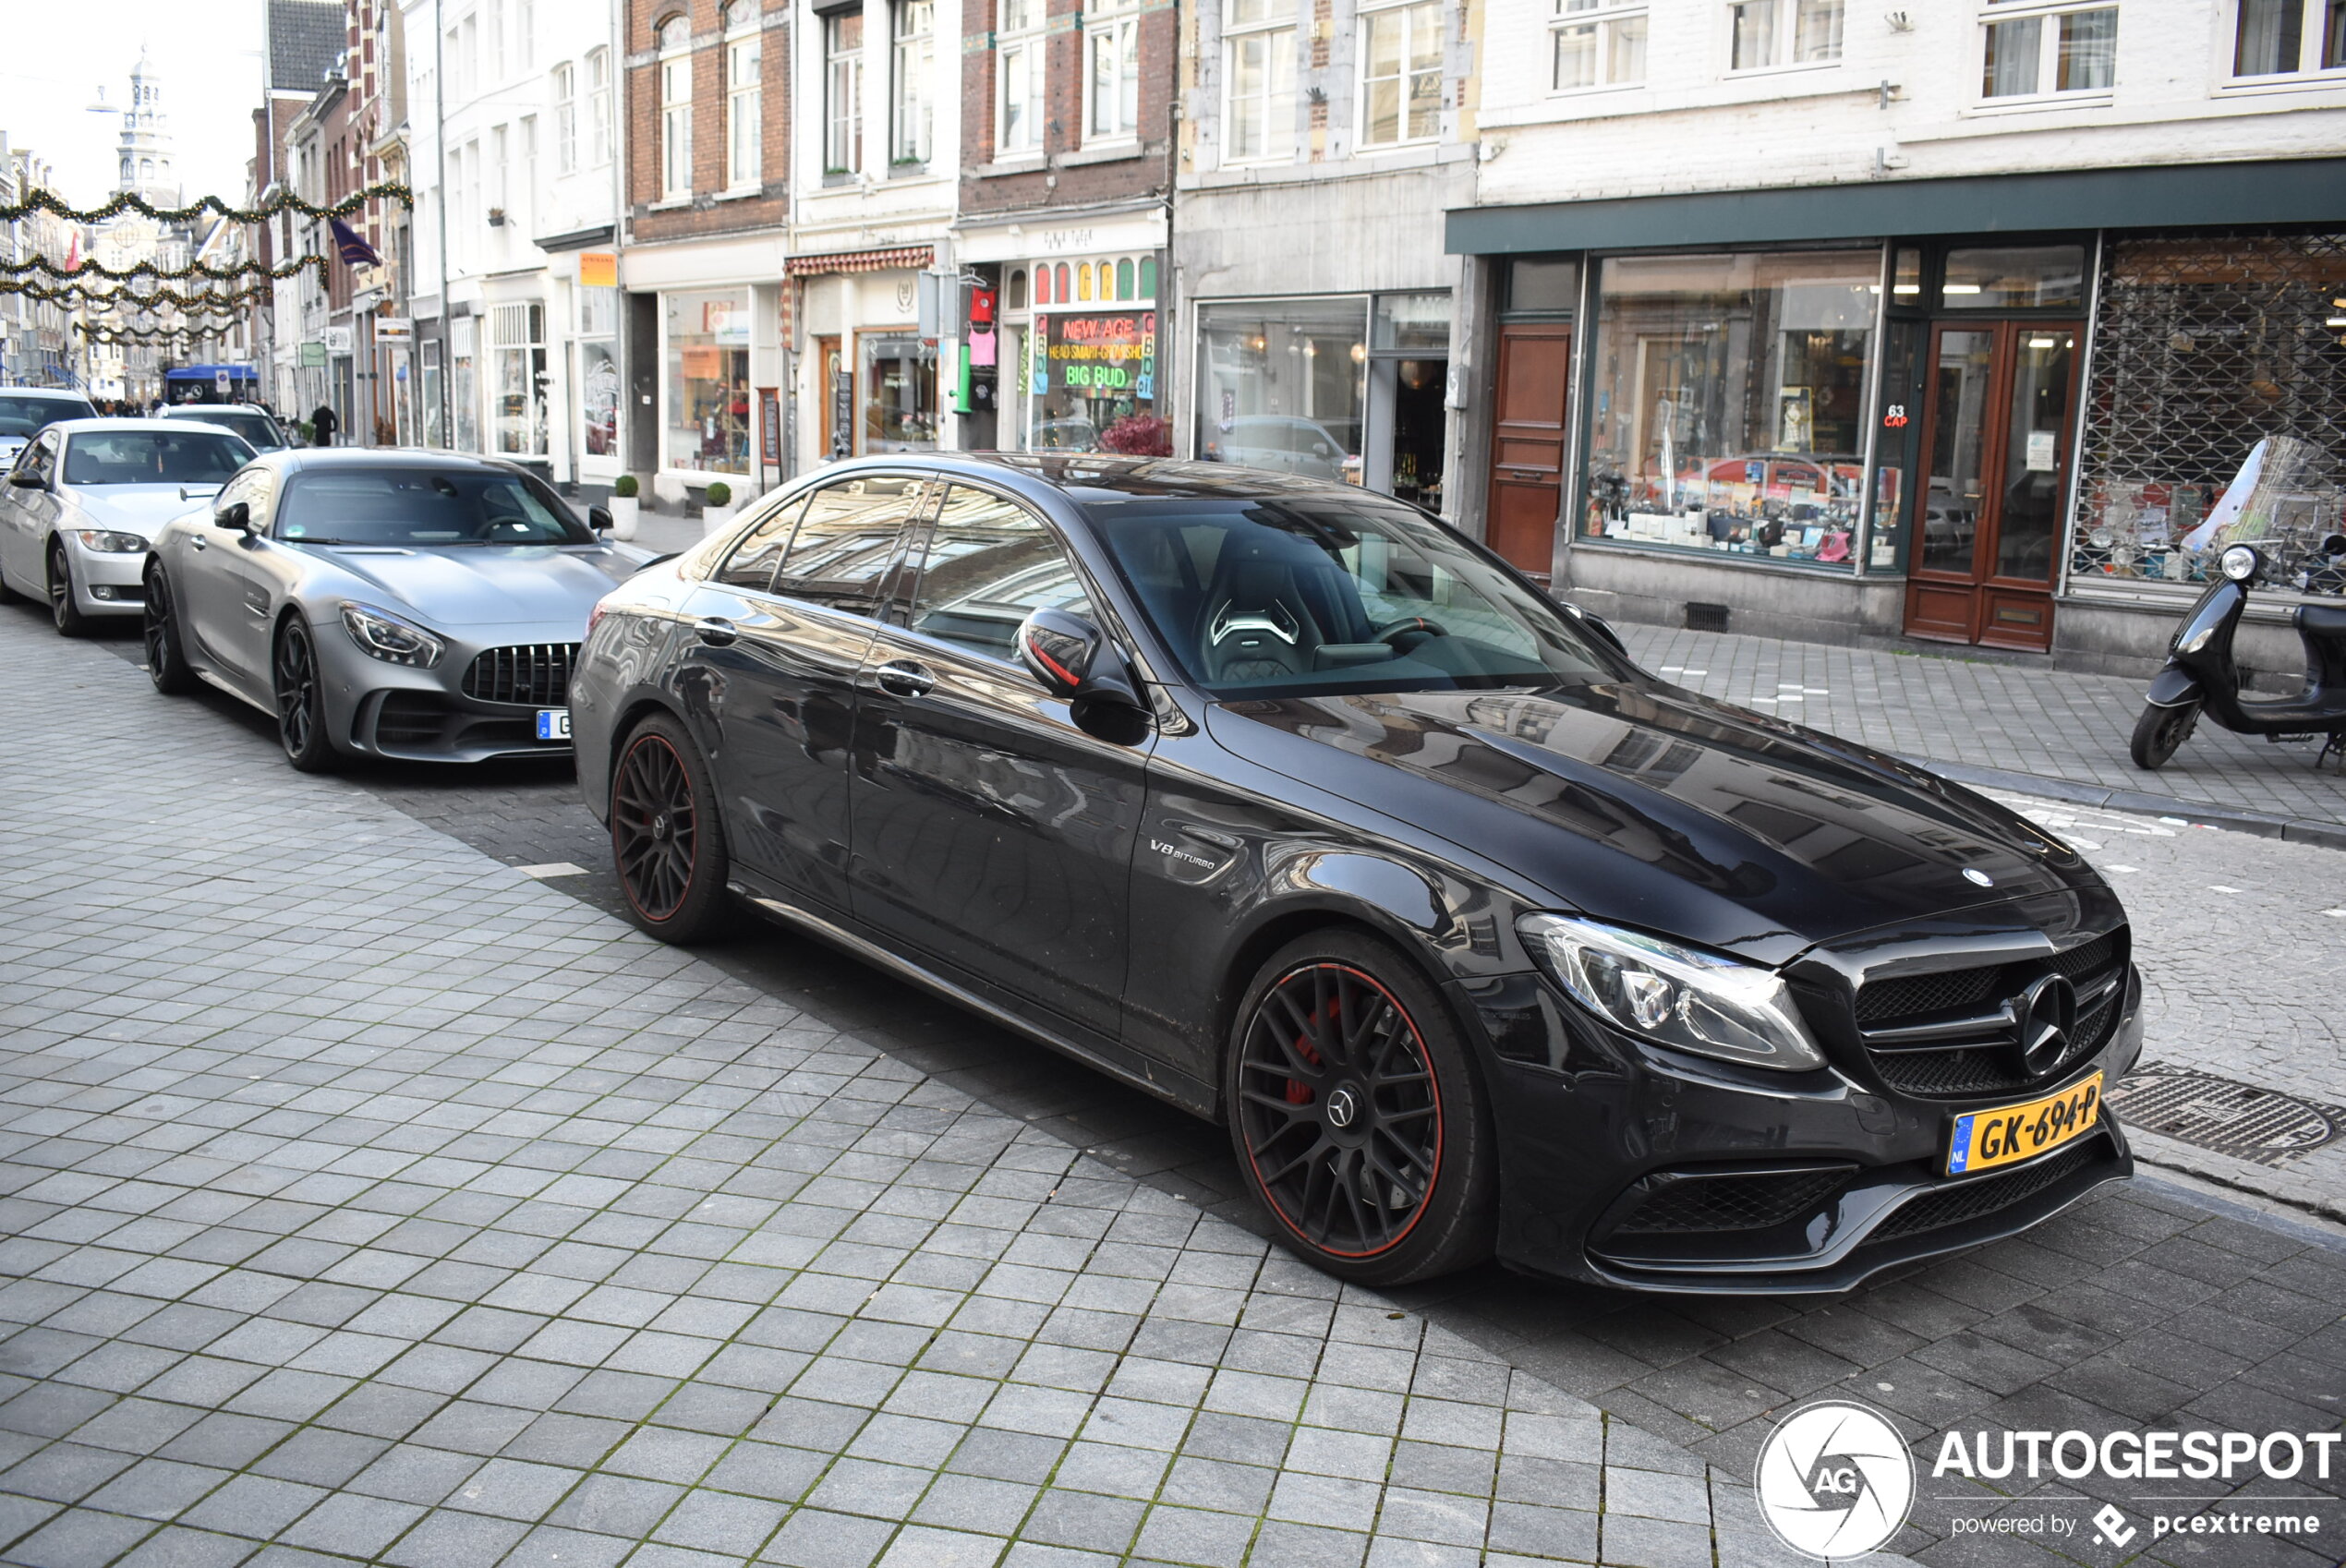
x=1598, y=626
x=599, y=519
x=1074, y=659
x=24, y=481
x=236, y=515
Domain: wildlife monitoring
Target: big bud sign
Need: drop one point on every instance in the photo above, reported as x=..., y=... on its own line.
x=1100, y=355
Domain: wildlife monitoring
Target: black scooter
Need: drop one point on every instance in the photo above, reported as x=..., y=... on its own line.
x=2201, y=678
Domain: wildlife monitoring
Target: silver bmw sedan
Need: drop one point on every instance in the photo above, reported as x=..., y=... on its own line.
x=420, y=605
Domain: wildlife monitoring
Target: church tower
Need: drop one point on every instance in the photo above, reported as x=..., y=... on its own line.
x=145, y=156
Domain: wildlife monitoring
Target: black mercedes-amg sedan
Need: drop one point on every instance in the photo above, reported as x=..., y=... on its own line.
x=1282, y=801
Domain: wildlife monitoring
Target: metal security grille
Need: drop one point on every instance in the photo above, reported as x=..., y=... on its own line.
x=535, y=673
x=2204, y=343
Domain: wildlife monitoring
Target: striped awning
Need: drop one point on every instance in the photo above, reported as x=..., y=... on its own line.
x=860, y=261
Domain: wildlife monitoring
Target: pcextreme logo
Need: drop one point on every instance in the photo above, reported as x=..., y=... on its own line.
x=1834, y=1480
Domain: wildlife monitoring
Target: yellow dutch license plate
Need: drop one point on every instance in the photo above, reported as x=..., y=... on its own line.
x=1984, y=1139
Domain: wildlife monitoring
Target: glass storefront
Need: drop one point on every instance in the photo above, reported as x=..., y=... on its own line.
x=1095, y=383
x=464, y=390
x=1280, y=385
x=598, y=371
x=518, y=418
x=899, y=392
x=1408, y=377
x=1727, y=405
x=707, y=392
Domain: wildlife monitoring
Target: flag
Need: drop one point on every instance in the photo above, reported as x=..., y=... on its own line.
x=73, y=252
x=356, y=251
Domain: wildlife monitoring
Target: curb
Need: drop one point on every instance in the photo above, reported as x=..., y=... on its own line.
x=2295, y=830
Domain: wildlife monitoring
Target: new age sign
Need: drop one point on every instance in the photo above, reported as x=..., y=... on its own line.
x=1100, y=355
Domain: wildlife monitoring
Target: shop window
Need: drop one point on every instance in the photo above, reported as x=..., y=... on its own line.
x=1281, y=385
x=1148, y=277
x=598, y=373
x=1767, y=33
x=1059, y=284
x=1598, y=43
x=1906, y=276
x=2057, y=52
x=675, y=110
x=1124, y=279
x=1042, y=285
x=2204, y=343
x=2047, y=277
x=911, y=55
x=1112, y=70
x=1019, y=52
x=1400, y=74
x=708, y=413
x=745, y=97
x=1016, y=294
x=1258, y=116
x=1095, y=383
x=2288, y=37
x=900, y=393
x=1543, y=285
x=844, y=93
x=1728, y=406
x=517, y=337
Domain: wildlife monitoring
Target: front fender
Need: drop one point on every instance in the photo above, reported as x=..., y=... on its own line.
x=2174, y=687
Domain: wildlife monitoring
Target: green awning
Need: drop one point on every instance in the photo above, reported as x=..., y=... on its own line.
x=2308, y=190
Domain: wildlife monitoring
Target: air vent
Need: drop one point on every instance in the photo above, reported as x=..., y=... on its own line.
x=1706, y=617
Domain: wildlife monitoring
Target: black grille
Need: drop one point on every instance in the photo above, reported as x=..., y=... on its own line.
x=1887, y=999
x=536, y=674
x=1953, y=1205
x=1984, y=1069
x=1988, y=1064
x=410, y=720
x=1747, y=1202
x=2086, y=961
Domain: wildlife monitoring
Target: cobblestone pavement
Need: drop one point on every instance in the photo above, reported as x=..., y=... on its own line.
x=2016, y=717
x=2149, y=1307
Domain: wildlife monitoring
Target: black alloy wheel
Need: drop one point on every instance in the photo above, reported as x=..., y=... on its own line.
x=1357, y=1115
x=667, y=844
x=166, y=660
x=301, y=702
x=63, y=608
x=2161, y=732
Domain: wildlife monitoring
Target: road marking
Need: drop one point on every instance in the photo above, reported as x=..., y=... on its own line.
x=2335, y=914
x=553, y=868
x=2219, y=887
x=2123, y=869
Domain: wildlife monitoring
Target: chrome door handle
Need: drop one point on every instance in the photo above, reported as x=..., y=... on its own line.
x=905, y=678
x=196, y=542
x=715, y=630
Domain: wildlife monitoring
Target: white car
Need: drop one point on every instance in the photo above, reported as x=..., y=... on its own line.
x=260, y=431
x=25, y=411
x=85, y=499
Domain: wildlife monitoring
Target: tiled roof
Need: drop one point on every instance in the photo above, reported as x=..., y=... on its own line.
x=306, y=37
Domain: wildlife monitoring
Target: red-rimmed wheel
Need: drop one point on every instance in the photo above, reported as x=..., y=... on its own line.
x=666, y=842
x=1356, y=1117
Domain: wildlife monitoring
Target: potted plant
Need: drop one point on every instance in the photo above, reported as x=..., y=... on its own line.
x=623, y=507
x=717, y=507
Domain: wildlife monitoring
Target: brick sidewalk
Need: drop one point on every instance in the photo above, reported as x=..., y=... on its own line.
x=2015, y=717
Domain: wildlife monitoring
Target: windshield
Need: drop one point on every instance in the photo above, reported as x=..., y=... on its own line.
x=423, y=506
x=153, y=457
x=21, y=416
x=257, y=429
x=1297, y=596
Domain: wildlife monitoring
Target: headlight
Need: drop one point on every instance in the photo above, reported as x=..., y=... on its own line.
x=1673, y=995
x=388, y=638
x=104, y=543
x=2239, y=563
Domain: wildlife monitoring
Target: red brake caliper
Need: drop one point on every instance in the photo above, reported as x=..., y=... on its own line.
x=1297, y=1091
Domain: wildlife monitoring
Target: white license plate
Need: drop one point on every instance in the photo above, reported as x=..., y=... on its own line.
x=553, y=724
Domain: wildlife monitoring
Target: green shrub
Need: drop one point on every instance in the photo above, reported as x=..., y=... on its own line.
x=720, y=493
x=625, y=487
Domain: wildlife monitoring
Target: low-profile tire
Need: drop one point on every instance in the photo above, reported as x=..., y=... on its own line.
x=667, y=842
x=2161, y=732
x=301, y=701
x=166, y=659
x=1358, y=1118
x=62, y=609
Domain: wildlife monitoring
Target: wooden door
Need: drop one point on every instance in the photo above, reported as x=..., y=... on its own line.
x=1528, y=442
x=827, y=368
x=2000, y=406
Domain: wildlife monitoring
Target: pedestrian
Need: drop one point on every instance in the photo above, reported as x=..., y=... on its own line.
x=322, y=425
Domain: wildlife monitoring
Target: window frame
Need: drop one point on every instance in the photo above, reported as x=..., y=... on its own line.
x=744, y=37
x=912, y=104
x=843, y=144
x=2312, y=14
x=1601, y=18
x=1028, y=45
x=565, y=90
x=1235, y=34
x=914, y=560
x=1366, y=17
x=2048, y=17
x=1116, y=24
x=675, y=66
x=599, y=105
x=1785, y=44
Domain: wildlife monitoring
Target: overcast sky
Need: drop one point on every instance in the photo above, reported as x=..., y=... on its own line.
x=54, y=54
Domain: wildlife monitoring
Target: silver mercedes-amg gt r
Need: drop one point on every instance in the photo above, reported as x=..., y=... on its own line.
x=420, y=605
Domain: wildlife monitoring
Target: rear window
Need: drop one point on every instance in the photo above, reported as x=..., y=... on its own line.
x=422, y=506
x=153, y=457
x=257, y=429
x=22, y=416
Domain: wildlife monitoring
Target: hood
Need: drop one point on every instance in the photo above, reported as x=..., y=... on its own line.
x=1651, y=807
x=485, y=585
x=137, y=509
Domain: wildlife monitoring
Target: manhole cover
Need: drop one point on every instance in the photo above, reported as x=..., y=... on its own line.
x=2233, y=1118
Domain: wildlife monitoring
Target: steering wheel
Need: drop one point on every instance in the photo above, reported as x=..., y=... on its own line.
x=1415, y=625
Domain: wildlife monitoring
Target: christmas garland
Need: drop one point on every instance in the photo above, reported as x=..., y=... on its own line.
x=153, y=269
x=140, y=334
x=130, y=201
x=78, y=293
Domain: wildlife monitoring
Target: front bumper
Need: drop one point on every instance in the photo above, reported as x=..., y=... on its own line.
x=1818, y=1180
x=104, y=582
x=375, y=708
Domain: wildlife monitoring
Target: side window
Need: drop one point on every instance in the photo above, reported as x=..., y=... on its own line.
x=846, y=541
x=752, y=561
x=989, y=562
x=252, y=487
x=41, y=458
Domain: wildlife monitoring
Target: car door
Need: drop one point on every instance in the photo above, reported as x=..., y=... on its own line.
x=223, y=593
x=991, y=831
x=776, y=636
x=24, y=522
